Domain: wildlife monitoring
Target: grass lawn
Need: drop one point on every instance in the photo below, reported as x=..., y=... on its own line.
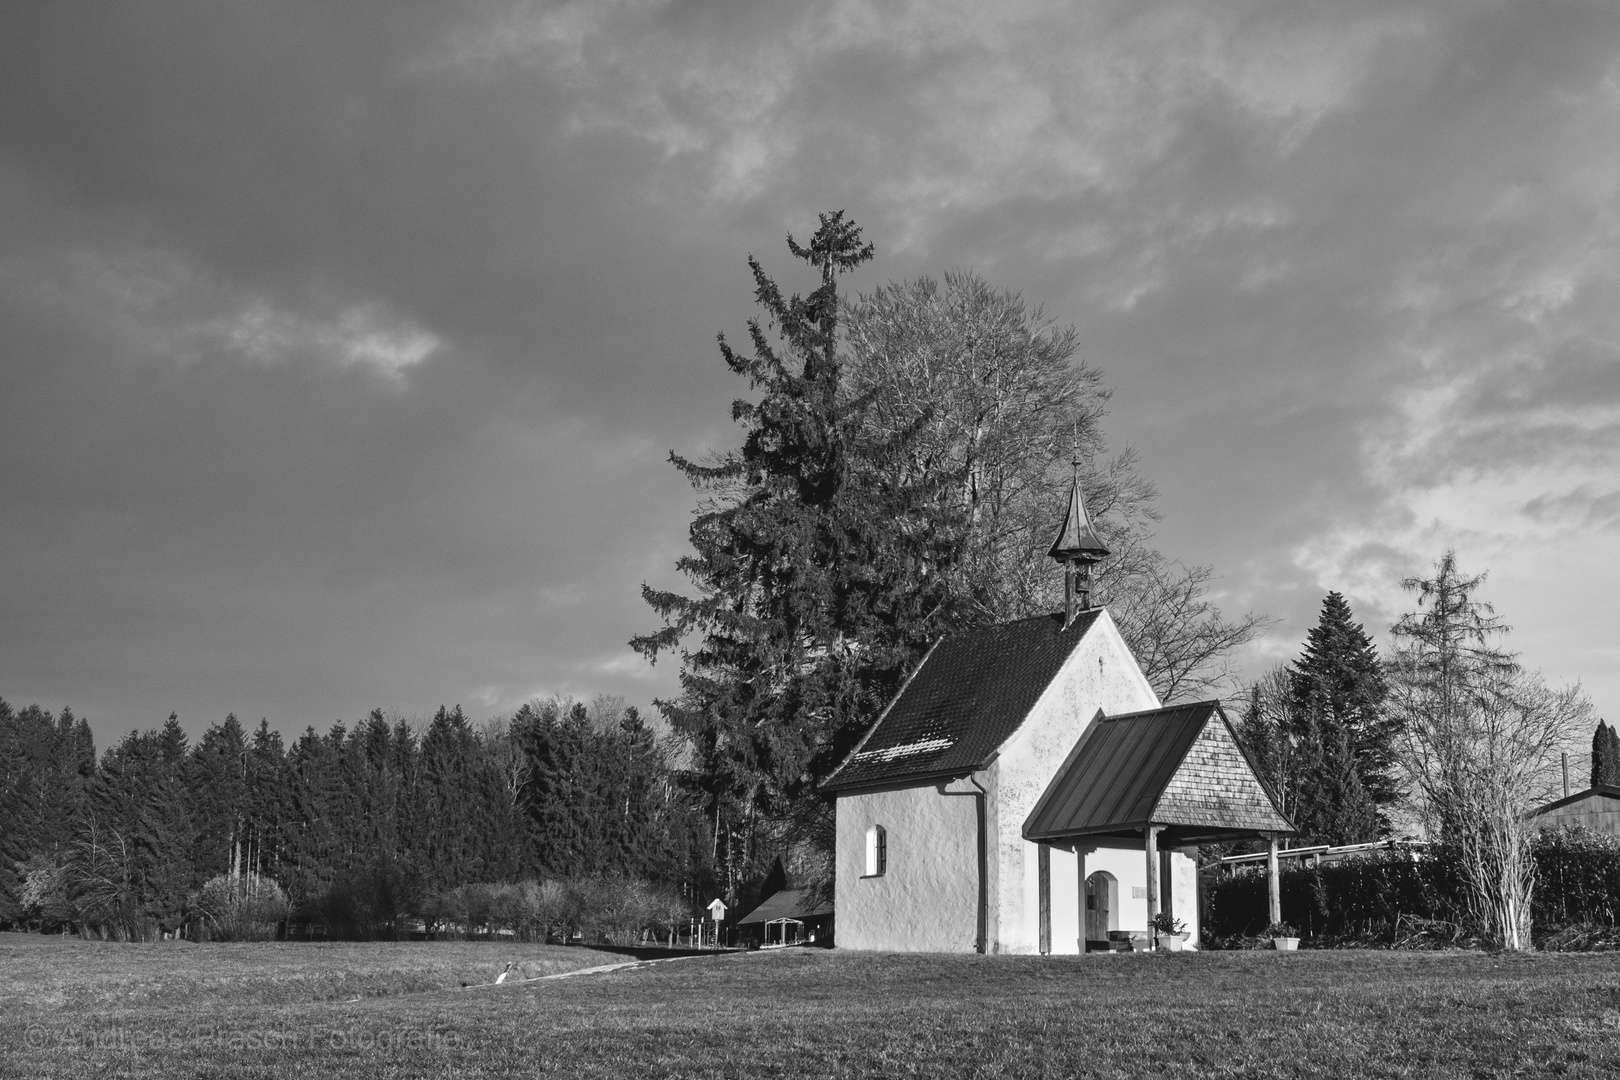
x=75, y=1009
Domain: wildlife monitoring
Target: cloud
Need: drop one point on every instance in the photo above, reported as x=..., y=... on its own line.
x=342, y=345
x=168, y=308
x=364, y=336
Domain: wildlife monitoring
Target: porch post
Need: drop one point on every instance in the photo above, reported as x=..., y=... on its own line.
x=1273, y=886
x=1151, y=838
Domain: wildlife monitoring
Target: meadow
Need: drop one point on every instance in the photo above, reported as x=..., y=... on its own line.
x=78, y=1009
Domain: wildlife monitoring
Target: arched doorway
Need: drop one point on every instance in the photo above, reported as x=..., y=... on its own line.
x=1101, y=889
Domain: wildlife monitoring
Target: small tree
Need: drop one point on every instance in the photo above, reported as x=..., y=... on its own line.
x=1481, y=742
x=1335, y=713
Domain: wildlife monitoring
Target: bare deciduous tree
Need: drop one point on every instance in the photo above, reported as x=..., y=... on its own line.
x=1482, y=742
x=986, y=403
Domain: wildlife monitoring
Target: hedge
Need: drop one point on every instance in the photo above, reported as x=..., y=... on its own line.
x=1392, y=898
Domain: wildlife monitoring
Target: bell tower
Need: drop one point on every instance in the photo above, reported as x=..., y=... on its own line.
x=1076, y=548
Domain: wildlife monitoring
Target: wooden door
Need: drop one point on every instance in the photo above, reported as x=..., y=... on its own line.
x=1097, y=907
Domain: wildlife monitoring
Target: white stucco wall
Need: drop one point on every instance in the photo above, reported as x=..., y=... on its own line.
x=927, y=900
x=1100, y=674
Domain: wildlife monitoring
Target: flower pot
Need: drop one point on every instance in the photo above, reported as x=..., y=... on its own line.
x=1171, y=942
x=1285, y=944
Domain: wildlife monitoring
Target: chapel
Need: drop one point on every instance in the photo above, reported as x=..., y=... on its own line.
x=1027, y=792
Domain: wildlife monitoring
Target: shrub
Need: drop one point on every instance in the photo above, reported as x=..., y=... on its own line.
x=44, y=899
x=251, y=908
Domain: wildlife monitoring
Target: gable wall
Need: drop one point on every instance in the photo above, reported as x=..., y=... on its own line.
x=1215, y=786
x=1100, y=674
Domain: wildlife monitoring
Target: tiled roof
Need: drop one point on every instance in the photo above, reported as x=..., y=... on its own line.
x=1181, y=766
x=969, y=695
x=787, y=904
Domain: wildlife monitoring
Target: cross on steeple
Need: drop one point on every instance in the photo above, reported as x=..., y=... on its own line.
x=1076, y=548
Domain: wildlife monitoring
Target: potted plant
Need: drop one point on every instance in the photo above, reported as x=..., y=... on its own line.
x=1284, y=938
x=1171, y=931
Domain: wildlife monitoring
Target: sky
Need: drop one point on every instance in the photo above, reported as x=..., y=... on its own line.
x=342, y=346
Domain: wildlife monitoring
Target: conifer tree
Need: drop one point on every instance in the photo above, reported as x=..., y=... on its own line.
x=809, y=583
x=1344, y=765
x=1605, y=756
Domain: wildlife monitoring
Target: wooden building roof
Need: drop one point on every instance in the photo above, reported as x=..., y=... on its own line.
x=1602, y=791
x=1181, y=767
x=969, y=695
x=798, y=904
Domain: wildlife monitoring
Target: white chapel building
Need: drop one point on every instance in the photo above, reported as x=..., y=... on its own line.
x=1026, y=792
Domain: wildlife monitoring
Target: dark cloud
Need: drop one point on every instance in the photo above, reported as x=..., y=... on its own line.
x=342, y=344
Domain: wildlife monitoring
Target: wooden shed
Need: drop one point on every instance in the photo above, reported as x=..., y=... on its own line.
x=1596, y=808
x=788, y=917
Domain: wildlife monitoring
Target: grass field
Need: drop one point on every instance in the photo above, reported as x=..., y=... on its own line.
x=77, y=1009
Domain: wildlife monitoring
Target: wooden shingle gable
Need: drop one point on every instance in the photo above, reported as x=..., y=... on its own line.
x=1216, y=788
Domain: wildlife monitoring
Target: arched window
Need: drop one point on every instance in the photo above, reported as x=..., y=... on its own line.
x=877, y=851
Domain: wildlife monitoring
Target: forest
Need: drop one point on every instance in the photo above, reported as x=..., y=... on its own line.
x=354, y=830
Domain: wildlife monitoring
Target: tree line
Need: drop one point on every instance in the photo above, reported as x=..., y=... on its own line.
x=360, y=826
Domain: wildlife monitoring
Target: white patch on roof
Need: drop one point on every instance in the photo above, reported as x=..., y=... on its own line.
x=892, y=753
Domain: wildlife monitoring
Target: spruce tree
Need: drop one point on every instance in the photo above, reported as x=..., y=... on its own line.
x=810, y=587
x=1345, y=762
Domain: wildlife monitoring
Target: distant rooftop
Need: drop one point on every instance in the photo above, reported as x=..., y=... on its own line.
x=787, y=904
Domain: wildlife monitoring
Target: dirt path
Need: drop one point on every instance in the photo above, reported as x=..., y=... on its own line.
x=600, y=969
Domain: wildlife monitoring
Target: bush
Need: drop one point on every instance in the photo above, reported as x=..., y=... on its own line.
x=251, y=908
x=43, y=898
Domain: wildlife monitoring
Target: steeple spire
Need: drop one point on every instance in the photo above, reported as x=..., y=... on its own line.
x=1076, y=548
